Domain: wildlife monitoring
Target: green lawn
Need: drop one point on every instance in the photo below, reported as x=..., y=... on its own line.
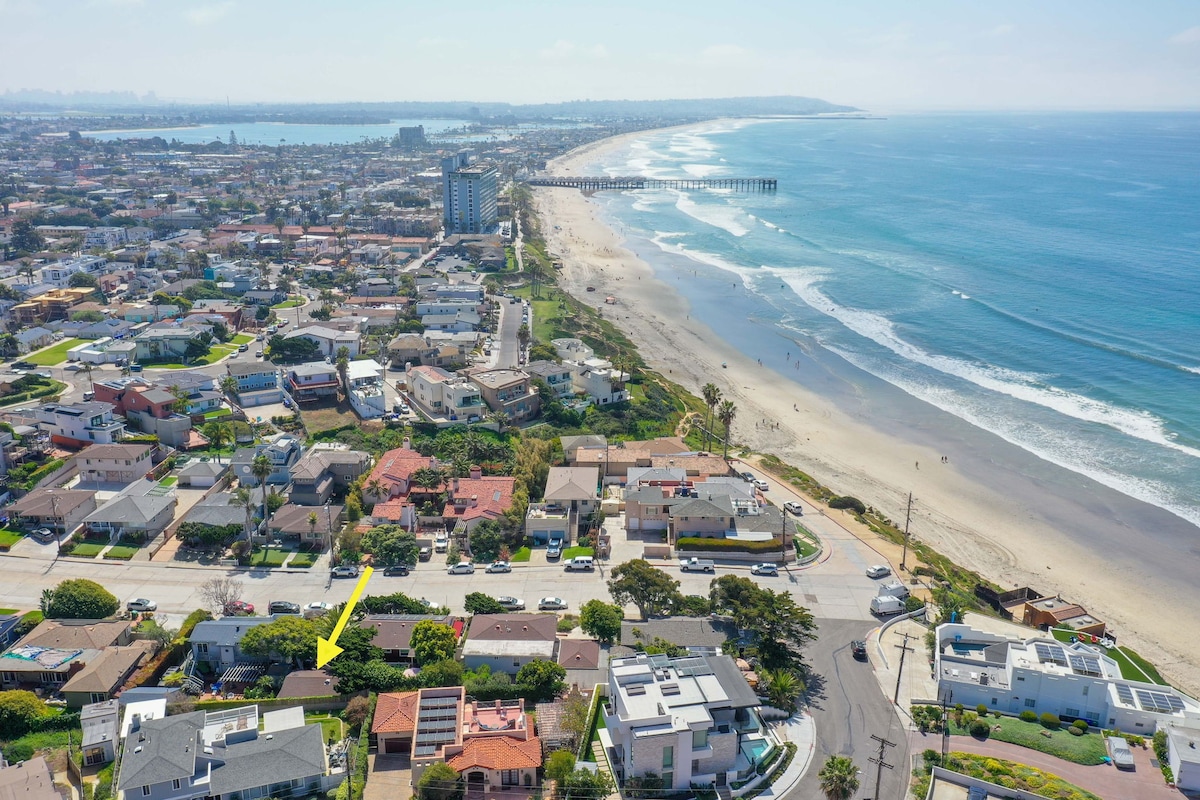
x=332, y=728
x=291, y=302
x=217, y=413
x=121, y=552
x=88, y=549
x=805, y=541
x=6, y=611
x=303, y=560
x=272, y=557
x=170, y=480
x=1087, y=749
x=545, y=311
x=521, y=555
x=9, y=538
x=572, y=552
x=242, y=338
x=1133, y=666
x=55, y=355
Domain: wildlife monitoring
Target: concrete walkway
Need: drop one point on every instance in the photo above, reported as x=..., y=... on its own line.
x=1143, y=783
x=800, y=730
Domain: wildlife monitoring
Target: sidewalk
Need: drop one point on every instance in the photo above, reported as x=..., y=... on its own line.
x=800, y=730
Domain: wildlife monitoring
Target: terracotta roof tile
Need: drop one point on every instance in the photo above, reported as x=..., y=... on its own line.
x=498, y=752
x=395, y=712
x=492, y=496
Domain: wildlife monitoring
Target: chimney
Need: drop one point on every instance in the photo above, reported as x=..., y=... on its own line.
x=476, y=472
x=454, y=485
x=407, y=445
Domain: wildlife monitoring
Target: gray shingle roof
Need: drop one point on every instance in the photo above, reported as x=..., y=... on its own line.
x=226, y=630
x=680, y=631
x=163, y=750
x=132, y=510
x=288, y=754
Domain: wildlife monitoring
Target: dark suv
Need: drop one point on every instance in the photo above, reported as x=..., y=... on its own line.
x=283, y=607
x=859, y=649
x=396, y=569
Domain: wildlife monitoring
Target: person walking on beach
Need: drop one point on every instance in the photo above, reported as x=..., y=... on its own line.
x=918, y=464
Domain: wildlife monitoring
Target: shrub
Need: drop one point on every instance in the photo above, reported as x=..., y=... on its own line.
x=704, y=543
x=848, y=502
x=1050, y=721
x=19, y=711
x=1028, y=716
x=1134, y=740
x=1081, y=724
x=80, y=598
x=980, y=729
x=1075, y=731
x=981, y=709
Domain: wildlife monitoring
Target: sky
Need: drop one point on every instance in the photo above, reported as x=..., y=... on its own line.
x=880, y=55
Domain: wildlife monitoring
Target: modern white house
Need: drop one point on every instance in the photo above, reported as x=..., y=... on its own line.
x=328, y=340
x=691, y=721
x=365, y=378
x=595, y=377
x=1183, y=755
x=80, y=424
x=1043, y=675
x=444, y=397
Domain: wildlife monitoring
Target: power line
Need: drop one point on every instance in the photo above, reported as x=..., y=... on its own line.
x=904, y=650
x=879, y=763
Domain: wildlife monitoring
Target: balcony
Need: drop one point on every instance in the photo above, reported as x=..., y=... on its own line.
x=543, y=511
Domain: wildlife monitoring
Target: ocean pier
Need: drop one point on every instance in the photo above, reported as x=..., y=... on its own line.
x=592, y=184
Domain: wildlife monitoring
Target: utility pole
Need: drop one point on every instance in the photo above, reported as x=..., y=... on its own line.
x=904, y=649
x=879, y=763
x=907, y=517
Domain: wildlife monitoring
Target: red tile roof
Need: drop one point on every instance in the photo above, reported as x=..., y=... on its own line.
x=492, y=497
x=392, y=510
x=395, y=712
x=395, y=467
x=498, y=752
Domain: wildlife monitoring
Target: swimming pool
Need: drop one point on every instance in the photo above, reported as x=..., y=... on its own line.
x=753, y=749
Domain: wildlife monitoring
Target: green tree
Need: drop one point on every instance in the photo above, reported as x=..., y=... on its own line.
x=341, y=360
x=712, y=396
x=294, y=638
x=542, y=679
x=356, y=711
x=480, y=603
x=229, y=386
x=439, y=781
x=80, y=598
x=261, y=469
x=486, y=539
x=783, y=687
x=602, y=620
x=19, y=711
x=218, y=434
x=559, y=765
x=585, y=783
x=432, y=641
x=839, y=778
x=25, y=237
x=653, y=591
x=726, y=412
x=82, y=279
x=442, y=673
x=391, y=544
x=779, y=625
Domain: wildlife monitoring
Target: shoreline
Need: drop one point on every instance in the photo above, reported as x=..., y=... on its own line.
x=958, y=502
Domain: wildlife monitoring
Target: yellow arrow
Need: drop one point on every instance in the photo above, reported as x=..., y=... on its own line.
x=327, y=649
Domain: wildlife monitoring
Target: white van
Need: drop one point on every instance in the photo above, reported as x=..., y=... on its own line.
x=893, y=589
x=579, y=563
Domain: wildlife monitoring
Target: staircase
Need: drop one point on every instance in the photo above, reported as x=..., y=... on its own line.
x=192, y=683
x=602, y=764
x=724, y=792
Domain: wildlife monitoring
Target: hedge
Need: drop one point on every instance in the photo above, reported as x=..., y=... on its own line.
x=358, y=781
x=727, y=545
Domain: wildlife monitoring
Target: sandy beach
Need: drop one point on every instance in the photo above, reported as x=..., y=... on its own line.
x=975, y=519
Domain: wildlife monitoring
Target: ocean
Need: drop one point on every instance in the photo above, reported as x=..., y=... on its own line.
x=1027, y=276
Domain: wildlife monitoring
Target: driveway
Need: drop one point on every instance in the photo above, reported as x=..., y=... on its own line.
x=389, y=777
x=1143, y=783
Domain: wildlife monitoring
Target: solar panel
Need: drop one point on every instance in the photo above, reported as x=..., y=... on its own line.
x=1050, y=653
x=426, y=750
x=1175, y=703
x=1125, y=694
x=1085, y=665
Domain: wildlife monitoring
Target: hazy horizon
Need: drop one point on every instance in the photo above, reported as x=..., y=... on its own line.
x=939, y=56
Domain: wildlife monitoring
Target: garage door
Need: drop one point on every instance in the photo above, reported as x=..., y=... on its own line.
x=394, y=745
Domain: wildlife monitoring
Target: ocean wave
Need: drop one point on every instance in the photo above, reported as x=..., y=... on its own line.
x=744, y=274
x=1194, y=370
x=701, y=170
x=723, y=217
x=1026, y=387
x=1044, y=442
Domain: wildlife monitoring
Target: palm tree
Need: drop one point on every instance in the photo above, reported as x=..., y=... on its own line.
x=217, y=433
x=342, y=360
x=244, y=498
x=839, y=778
x=375, y=489
x=712, y=396
x=261, y=469
x=725, y=413
x=428, y=478
x=501, y=419
x=229, y=385
x=783, y=687
x=312, y=525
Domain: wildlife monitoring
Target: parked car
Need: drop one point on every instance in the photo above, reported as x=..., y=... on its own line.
x=461, y=568
x=499, y=566
x=441, y=542
x=345, y=571
x=761, y=485
x=243, y=348
x=141, y=604
x=858, y=648
x=511, y=603
x=554, y=549
x=765, y=569
x=73, y=367
x=238, y=608
x=551, y=604
x=396, y=569
x=287, y=402
x=794, y=508
x=748, y=476
x=283, y=607
x=424, y=554
x=45, y=534
x=878, y=571
x=316, y=609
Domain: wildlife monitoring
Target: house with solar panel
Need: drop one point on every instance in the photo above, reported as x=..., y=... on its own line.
x=1072, y=680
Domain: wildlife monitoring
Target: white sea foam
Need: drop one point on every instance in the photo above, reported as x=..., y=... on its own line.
x=1195, y=370
x=1021, y=386
x=719, y=216
x=700, y=170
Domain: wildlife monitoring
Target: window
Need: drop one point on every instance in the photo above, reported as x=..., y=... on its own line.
x=202, y=648
x=1072, y=712
x=9, y=677
x=1020, y=678
x=668, y=758
x=993, y=701
x=668, y=779
x=1085, y=690
x=99, y=697
x=145, y=791
x=699, y=739
x=175, y=783
x=1029, y=703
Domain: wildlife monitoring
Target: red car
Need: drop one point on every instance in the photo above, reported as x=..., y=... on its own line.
x=238, y=608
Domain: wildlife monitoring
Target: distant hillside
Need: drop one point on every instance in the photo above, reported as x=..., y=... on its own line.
x=333, y=113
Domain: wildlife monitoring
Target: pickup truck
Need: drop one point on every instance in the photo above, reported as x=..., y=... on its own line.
x=697, y=565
